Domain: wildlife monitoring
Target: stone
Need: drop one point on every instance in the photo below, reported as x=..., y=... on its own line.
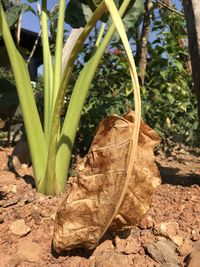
x=127, y=246
x=13, y=189
x=53, y=216
x=177, y=240
x=166, y=229
x=163, y=251
x=186, y=248
x=29, y=251
x=194, y=259
x=19, y=228
x=110, y=259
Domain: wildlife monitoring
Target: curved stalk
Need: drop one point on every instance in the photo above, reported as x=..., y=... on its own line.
x=58, y=50
x=48, y=72
x=75, y=107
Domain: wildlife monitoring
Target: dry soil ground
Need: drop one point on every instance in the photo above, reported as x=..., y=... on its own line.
x=167, y=236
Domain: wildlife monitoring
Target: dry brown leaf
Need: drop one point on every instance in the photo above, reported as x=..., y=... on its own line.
x=89, y=207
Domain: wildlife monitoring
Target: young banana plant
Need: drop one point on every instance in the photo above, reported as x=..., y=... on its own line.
x=51, y=146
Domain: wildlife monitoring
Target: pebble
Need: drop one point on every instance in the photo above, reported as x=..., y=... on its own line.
x=177, y=240
x=186, y=248
x=111, y=259
x=127, y=246
x=53, y=216
x=166, y=229
x=29, y=251
x=19, y=228
x=163, y=251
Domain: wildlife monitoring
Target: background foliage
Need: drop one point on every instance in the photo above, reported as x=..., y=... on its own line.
x=169, y=105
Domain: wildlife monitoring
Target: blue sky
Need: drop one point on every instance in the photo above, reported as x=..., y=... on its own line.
x=31, y=22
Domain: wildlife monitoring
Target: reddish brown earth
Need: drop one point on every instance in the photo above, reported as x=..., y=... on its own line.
x=167, y=236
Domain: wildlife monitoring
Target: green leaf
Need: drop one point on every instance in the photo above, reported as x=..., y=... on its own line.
x=132, y=16
x=13, y=13
x=77, y=14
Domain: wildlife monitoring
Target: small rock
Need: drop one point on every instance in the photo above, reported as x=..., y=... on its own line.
x=186, y=248
x=110, y=259
x=195, y=235
x=29, y=251
x=193, y=259
x=19, y=228
x=8, y=203
x=36, y=216
x=53, y=216
x=135, y=232
x=177, y=239
x=146, y=238
x=127, y=246
x=163, y=252
x=166, y=229
x=13, y=189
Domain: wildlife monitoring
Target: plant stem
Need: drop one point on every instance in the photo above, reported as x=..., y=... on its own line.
x=30, y=114
x=48, y=73
x=58, y=50
x=53, y=182
x=78, y=97
x=101, y=32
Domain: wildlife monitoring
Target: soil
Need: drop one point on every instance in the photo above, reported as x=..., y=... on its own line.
x=168, y=235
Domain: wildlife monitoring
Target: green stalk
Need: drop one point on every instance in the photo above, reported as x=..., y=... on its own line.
x=75, y=107
x=58, y=50
x=101, y=32
x=30, y=114
x=48, y=73
x=53, y=182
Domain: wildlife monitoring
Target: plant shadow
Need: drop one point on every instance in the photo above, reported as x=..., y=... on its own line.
x=170, y=175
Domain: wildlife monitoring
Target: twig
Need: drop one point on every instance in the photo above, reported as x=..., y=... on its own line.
x=170, y=8
x=19, y=27
x=34, y=48
x=38, y=37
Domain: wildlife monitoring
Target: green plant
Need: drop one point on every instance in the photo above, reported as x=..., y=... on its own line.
x=168, y=103
x=51, y=148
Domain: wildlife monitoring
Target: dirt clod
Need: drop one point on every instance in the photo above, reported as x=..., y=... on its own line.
x=19, y=228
